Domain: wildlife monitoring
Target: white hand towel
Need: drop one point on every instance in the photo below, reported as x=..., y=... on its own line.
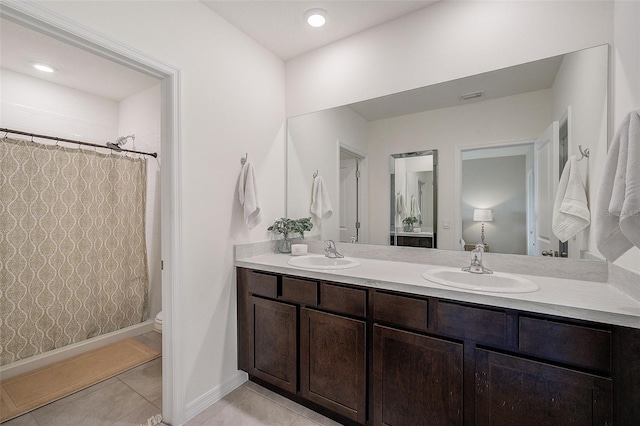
x=400, y=205
x=415, y=208
x=248, y=196
x=618, y=207
x=570, y=210
x=320, y=202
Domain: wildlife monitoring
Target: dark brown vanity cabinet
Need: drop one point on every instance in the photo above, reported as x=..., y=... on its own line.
x=333, y=363
x=273, y=330
x=515, y=391
x=305, y=338
x=417, y=379
x=378, y=357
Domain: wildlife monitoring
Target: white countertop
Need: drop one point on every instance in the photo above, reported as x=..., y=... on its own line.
x=585, y=300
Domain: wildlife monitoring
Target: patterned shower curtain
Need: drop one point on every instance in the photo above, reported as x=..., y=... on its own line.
x=73, y=261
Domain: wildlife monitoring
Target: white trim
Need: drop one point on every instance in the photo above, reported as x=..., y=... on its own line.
x=42, y=360
x=43, y=20
x=216, y=394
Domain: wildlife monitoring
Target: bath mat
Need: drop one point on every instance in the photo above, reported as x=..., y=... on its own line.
x=34, y=389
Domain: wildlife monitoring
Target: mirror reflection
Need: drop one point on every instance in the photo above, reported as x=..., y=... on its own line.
x=414, y=199
x=521, y=110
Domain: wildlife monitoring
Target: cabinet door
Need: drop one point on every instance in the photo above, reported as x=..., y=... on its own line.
x=333, y=363
x=273, y=355
x=511, y=390
x=417, y=379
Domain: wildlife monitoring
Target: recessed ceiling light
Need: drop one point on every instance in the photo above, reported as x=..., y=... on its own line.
x=316, y=17
x=44, y=67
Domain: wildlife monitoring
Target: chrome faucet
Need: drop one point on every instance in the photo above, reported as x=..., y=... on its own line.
x=331, y=250
x=476, y=266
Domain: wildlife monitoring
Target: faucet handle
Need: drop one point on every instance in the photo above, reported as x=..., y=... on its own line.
x=479, y=247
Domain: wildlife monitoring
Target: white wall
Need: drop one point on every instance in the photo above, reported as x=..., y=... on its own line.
x=445, y=41
x=626, y=84
x=232, y=103
x=140, y=116
x=37, y=106
x=578, y=86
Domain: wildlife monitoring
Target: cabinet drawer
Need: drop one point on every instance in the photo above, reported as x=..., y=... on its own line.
x=300, y=291
x=344, y=300
x=479, y=324
x=568, y=343
x=400, y=310
x=262, y=284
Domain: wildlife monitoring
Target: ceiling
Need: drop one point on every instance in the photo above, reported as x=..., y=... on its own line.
x=277, y=25
x=528, y=77
x=280, y=27
x=21, y=47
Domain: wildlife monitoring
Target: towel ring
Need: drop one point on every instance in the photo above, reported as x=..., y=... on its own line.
x=585, y=153
x=315, y=174
x=244, y=159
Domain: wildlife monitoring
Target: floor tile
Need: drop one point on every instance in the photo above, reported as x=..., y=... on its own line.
x=146, y=381
x=205, y=418
x=153, y=339
x=23, y=420
x=138, y=417
x=250, y=409
x=293, y=406
x=100, y=408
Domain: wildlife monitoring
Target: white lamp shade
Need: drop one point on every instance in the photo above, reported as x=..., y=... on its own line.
x=482, y=215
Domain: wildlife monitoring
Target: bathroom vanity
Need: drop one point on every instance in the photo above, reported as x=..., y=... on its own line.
x=364, y=351
x=413, y=239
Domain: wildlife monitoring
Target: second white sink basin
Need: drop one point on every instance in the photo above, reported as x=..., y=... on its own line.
x=497, y=282
x=322, y=262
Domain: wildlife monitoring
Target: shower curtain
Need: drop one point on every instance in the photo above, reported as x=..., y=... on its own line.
x=73, y=261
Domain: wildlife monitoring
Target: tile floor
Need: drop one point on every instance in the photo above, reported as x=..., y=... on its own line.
x=130, y=398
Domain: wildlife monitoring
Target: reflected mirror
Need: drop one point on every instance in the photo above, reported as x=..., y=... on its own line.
x=538, y=113
x=414, y=199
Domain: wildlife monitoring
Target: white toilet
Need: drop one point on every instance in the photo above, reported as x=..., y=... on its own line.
x=157, y=326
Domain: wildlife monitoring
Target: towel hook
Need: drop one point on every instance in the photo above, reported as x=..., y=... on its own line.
x=315, y=174
x=244, y=159
x=584, y=153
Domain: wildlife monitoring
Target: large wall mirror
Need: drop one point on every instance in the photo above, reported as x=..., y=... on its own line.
x=516, y=125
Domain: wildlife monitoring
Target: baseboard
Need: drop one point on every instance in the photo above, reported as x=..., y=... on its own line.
x=216, y=394
x=42, y=360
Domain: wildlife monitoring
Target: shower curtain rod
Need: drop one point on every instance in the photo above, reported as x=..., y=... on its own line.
x=33, y=135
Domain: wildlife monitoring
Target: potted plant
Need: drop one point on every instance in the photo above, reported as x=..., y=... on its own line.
x=408, y=223
x=286, y=227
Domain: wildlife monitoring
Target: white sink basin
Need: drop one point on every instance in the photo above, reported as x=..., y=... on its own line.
x=497, y=282
x=322, y=262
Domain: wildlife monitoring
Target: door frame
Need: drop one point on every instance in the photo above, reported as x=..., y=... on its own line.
x=457, y=202
x=45, y=21
x=363, y=187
